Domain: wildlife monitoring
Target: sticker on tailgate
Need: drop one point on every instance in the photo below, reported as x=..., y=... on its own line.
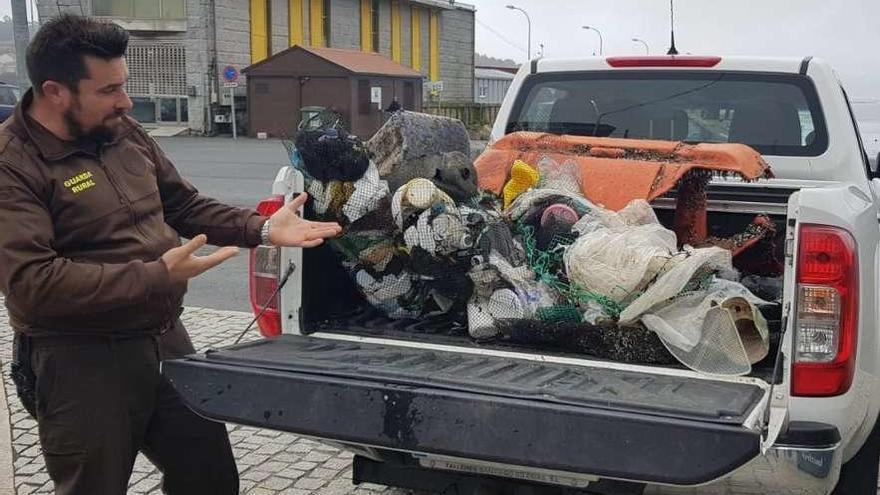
x=501, y=471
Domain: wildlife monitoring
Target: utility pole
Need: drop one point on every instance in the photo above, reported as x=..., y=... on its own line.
x=22, y=37
x=643, y=42
x=601, y=42
x=529, y=20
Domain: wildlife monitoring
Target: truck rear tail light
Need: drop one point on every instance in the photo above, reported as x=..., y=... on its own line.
x=663, y=61
x=818, y=321
x=265, y=266
x=826, y=319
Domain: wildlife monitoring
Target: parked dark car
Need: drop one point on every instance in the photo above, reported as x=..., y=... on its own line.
x=9, y=95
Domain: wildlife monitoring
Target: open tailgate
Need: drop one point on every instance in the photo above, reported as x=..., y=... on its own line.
x=614, y=423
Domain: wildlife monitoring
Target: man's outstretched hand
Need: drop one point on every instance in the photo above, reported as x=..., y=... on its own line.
x=183, y=264
x=287, y=228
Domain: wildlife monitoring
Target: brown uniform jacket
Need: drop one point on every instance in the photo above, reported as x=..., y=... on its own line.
x=82, y=231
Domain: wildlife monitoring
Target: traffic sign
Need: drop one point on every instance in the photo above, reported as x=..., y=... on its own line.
x=230, y=73
x=230, y=85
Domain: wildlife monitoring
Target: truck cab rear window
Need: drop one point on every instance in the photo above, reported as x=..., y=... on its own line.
x=775, y=114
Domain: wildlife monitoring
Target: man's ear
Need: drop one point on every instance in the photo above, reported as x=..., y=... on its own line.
x=56, y=92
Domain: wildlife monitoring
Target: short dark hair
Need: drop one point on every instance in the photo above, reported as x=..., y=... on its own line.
x=57, y=52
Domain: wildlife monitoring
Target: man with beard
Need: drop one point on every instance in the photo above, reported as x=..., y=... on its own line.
x=93, y=272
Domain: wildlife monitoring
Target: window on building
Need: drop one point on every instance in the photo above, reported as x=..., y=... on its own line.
x=484, y=91
x=326, y=21
x=151, y=110
x=156, y=68
x=143, y=109
x=369, y=25
x=173, y=9
x=140, y=9
x=434, y=46
x=168, y=109
x=374, y=11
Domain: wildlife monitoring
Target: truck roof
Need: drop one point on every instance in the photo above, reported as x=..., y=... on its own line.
x=665, y=62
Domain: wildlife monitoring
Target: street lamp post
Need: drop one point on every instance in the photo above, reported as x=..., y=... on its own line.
x=647, y=50
x=529, y=20
x=601, y=43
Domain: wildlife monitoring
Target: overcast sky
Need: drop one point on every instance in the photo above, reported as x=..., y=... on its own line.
x=845, y=32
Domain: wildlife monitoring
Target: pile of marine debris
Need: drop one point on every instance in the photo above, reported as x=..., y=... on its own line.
x=545, y=239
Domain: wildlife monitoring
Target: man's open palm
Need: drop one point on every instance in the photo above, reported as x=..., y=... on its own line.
x=183, y=264
x=289, y=229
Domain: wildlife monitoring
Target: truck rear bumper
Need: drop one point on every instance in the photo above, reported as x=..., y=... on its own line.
x=783, y=469
x=790, y=468
x=805, y=461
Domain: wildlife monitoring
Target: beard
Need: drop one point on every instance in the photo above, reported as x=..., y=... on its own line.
x=99, y=134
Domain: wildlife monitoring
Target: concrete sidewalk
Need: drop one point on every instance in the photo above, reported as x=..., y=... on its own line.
x=269, y=462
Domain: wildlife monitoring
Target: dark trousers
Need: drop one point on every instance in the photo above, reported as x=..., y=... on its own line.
x=101, y=400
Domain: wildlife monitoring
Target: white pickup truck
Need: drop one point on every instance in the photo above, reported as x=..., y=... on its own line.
x=424, y=407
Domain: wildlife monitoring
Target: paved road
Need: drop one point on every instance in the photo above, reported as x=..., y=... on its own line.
x=239, y=173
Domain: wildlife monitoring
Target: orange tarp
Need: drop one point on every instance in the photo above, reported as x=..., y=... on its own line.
x=616, y=171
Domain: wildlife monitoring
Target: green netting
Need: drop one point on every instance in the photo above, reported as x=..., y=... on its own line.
x=548, y=265
x=560, y=313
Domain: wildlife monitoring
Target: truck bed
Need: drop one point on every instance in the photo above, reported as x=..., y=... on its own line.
x=349, y=313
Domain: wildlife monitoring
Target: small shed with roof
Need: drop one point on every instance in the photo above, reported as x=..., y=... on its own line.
x=358, y=85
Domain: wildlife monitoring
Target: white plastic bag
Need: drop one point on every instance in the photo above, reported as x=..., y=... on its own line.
x=717, y=331
x=677, y=275
x=560, y=177
x=617, y=254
